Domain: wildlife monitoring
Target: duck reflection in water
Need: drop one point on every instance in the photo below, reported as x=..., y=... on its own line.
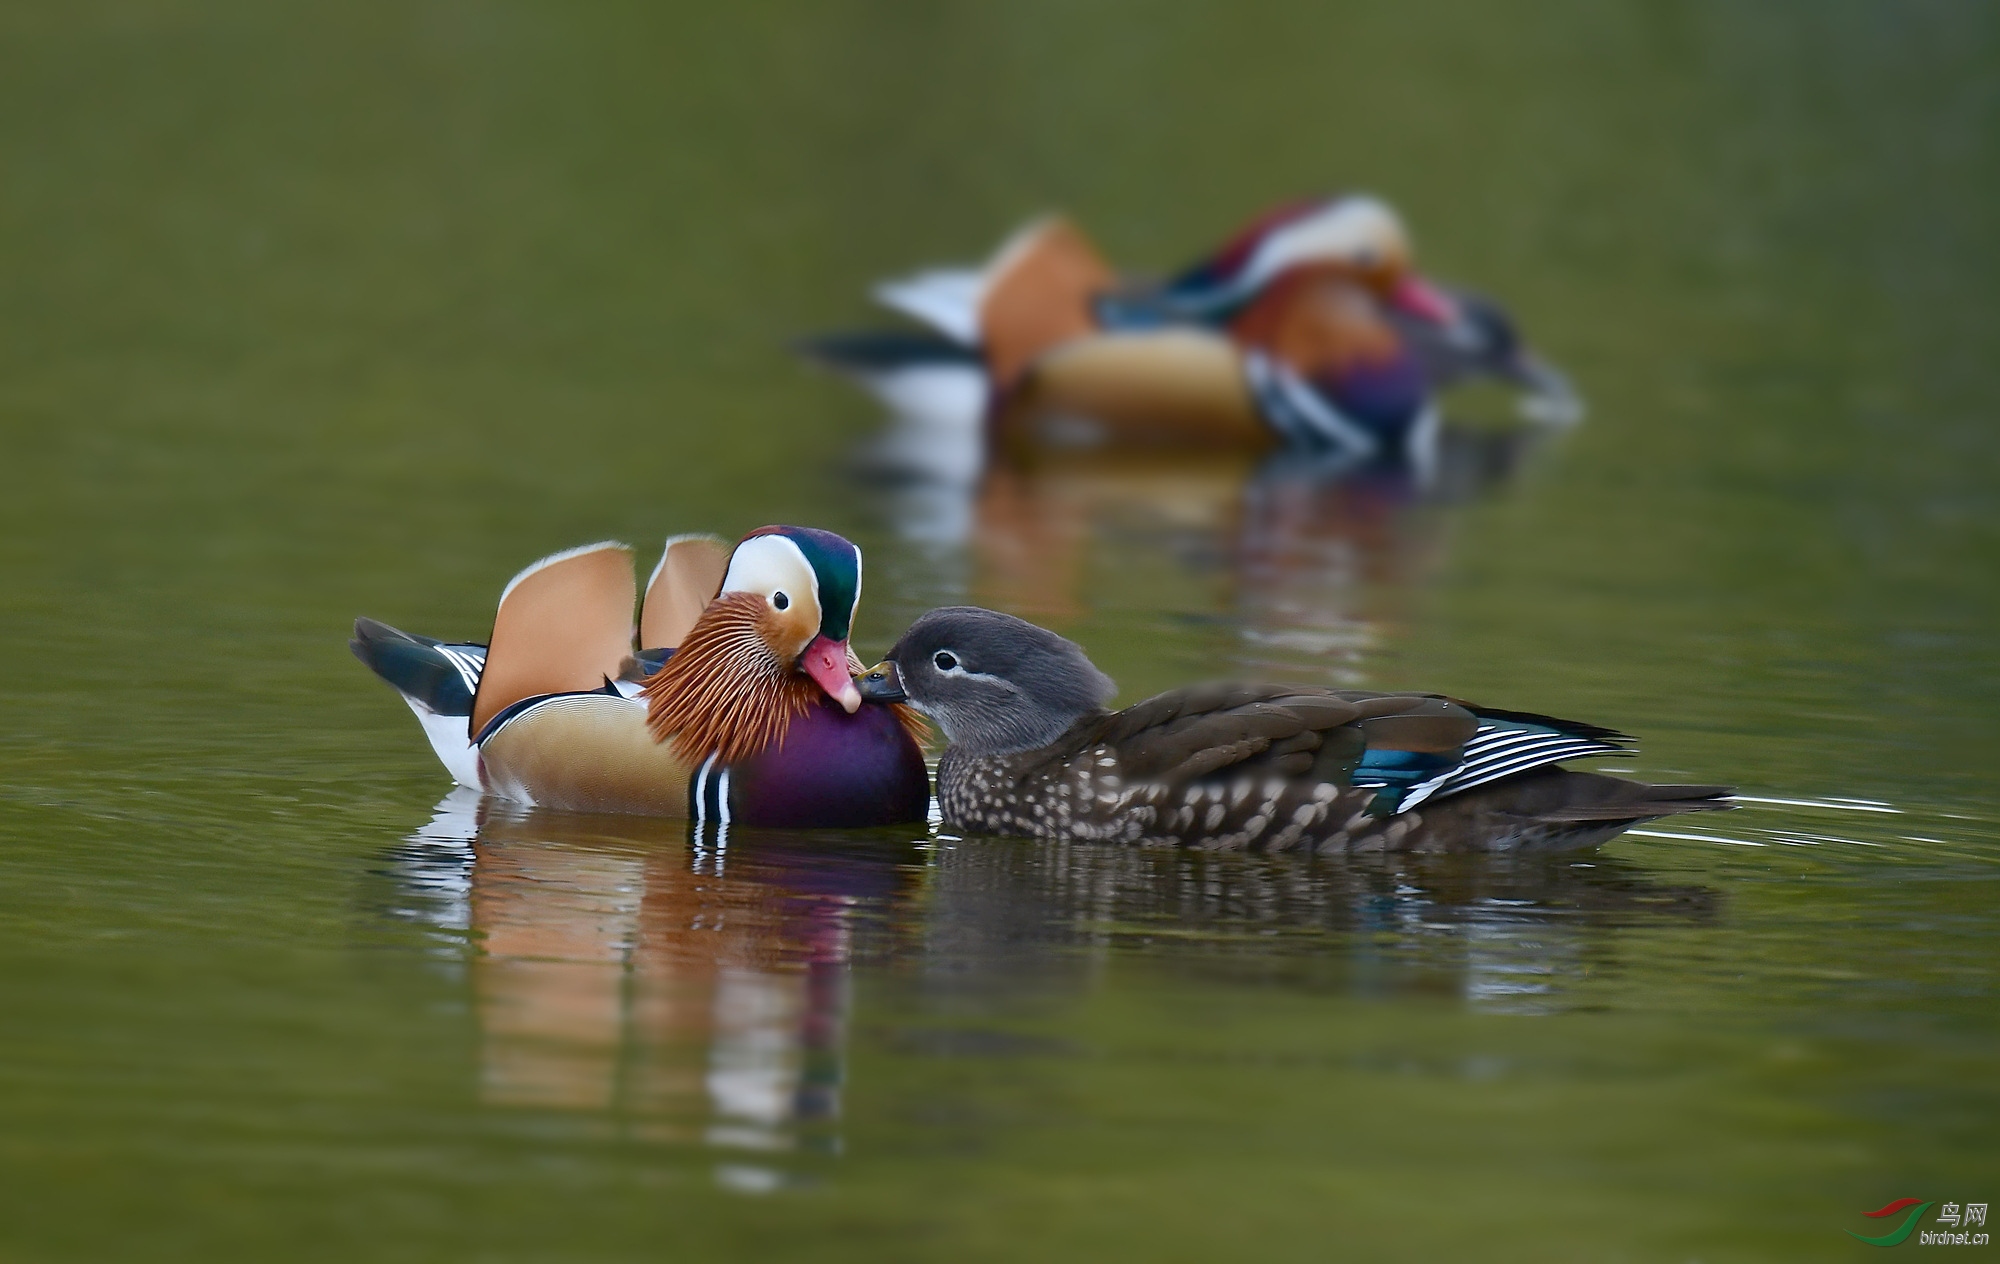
x=688, y=987
x=1306, y=554
x=688, y=992
x=1503, y=933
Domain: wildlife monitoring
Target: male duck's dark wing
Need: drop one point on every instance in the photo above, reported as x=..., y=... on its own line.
x=441, y=675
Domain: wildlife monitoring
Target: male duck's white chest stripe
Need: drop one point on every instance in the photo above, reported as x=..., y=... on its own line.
x=708, y=793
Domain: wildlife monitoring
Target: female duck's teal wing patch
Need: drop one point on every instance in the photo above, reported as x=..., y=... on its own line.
x=1412, y=743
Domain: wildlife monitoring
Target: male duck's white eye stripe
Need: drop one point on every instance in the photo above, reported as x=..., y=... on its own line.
x=553, y=558
x=766, y=562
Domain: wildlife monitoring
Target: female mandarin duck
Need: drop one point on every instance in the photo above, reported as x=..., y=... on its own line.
x=741, y=705
x=1310, y=327
x=1034, y=752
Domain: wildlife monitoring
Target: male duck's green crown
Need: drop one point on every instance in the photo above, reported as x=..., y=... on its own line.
x=836, y=568
x=769, y=561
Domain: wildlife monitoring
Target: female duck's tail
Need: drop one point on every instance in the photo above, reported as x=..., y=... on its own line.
x=1554, y=809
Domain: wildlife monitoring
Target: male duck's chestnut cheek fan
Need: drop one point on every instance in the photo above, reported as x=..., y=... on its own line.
x=738, y=705
x=1034, y=752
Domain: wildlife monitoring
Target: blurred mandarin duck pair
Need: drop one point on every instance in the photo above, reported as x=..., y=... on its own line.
x=736, y=704
x=1310, y=327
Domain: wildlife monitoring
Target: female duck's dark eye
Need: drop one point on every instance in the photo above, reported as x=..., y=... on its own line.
x=780, y=600
x=945, y=660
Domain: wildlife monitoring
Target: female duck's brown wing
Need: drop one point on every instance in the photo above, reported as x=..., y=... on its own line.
x=564, y=626
x=1220, y=765
x=1227, y=729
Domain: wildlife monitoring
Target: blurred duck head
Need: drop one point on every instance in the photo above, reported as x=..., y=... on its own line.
x=1356, y=236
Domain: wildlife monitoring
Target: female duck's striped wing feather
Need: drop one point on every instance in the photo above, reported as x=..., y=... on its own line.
x=1237, y=765
x=1409, y=747
x=564, y=626
x=1509, y=743
x=689, y=575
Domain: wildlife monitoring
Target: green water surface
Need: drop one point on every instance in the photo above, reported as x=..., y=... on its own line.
x=313, y=310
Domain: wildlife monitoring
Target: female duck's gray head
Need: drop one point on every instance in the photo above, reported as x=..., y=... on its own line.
x=995, y=684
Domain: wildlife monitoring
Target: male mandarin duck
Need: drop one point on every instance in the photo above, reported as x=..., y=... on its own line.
x=738, y=706
x=1453, y=334
x=1034, y=752
x=1310, y=327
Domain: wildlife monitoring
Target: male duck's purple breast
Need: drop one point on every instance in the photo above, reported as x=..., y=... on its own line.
x=834, y=770
x=1384, y=395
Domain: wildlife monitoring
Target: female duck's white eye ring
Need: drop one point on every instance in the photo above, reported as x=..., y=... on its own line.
x=780, y=600
x=945, y=661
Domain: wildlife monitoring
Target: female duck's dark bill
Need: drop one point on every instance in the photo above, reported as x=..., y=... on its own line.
x=882, y=683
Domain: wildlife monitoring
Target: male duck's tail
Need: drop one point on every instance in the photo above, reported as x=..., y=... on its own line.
x=437, y=679
x=564, y=625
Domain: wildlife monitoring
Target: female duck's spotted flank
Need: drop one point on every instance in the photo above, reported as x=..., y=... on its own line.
x=1034, y=752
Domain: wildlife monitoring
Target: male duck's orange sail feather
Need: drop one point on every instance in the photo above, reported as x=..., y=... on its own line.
x=564, y=626
x=688, y=577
